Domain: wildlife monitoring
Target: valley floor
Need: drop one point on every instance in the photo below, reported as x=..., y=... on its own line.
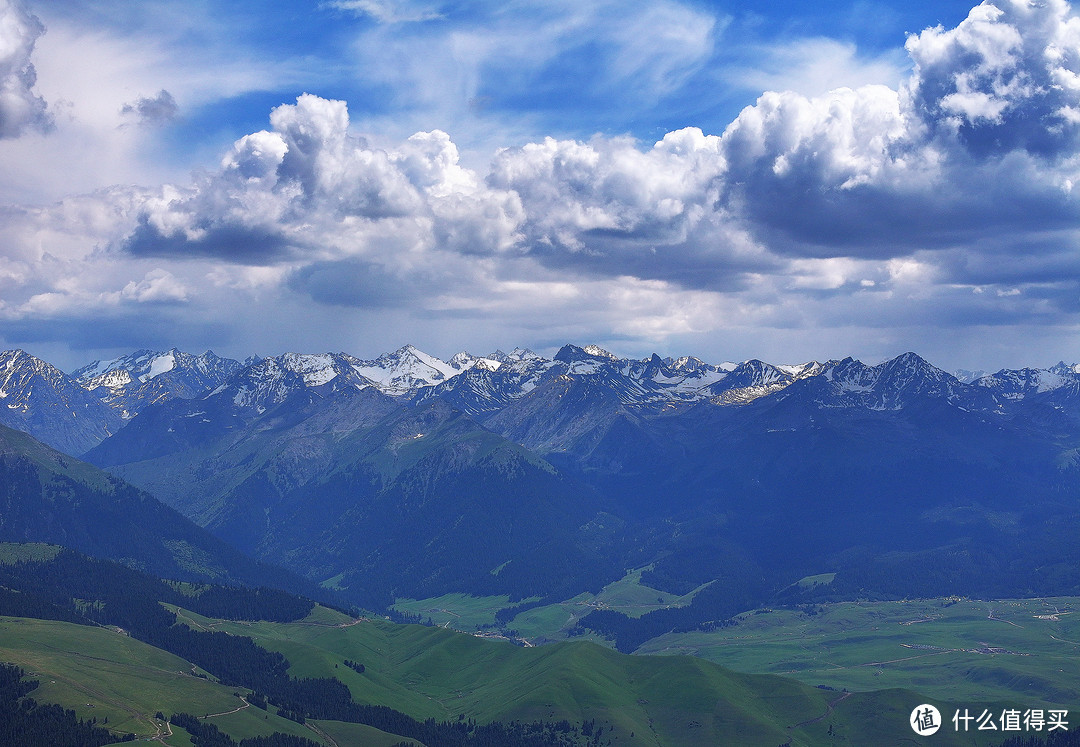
x=843, y=673
x=1019, y=651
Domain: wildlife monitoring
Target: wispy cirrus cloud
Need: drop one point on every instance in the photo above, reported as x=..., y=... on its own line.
x=814, y=66
x=498, y=73
x=388, y=11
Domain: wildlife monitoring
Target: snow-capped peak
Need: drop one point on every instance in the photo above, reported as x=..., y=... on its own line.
x=968, y=376
x=405, y=370
x=144, y=365
x=132, y=381
x=136, y=365
x=1020, y=383
x=690, y=364
x=464, y=360
x=800, y=370
x=599, y=352
x=514, y=356
x=1063, y=368
x=315, y=368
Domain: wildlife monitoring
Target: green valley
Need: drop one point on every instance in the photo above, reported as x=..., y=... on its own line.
x=1022, y=651
x=429, y=672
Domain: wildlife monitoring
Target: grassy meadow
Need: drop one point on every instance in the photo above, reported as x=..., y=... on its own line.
x=1020, y=651
x=782, y=681
x=101, y=673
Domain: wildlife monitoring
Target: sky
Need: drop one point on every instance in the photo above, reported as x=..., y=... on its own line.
x=799, y=181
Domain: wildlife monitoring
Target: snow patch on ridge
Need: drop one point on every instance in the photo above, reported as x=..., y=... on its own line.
x=159, y=365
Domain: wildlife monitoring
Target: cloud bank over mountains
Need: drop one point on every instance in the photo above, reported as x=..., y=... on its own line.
x=945, y=203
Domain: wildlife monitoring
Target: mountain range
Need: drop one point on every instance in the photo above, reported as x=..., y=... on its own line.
x=517, y=474
x=66, y=410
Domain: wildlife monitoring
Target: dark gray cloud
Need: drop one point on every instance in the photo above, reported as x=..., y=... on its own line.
x=21, y=110
x=799, y=215
x=253, y=245
x=1045, y=259
x=355, y=284
x=154, y=328
x=152, y=112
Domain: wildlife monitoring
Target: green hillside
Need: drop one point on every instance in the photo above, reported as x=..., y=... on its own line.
x=103, y=674
x=434, y=685
x=431, y=672
x=50, y=497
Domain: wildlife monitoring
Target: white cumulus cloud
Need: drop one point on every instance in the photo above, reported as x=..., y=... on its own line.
x=870, y=205
x=21, y=109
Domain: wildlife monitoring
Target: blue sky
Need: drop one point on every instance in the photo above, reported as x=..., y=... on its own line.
x=787, y=182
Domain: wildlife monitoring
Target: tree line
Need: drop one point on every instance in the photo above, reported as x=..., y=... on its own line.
x=24, y=721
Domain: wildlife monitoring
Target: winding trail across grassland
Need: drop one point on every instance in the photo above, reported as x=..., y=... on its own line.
x=828, y=709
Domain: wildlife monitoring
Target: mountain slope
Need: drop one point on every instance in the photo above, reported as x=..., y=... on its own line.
x=46, y=496
x=428, y=492
x=532, y=476
x=39, y=399
x=340, y=482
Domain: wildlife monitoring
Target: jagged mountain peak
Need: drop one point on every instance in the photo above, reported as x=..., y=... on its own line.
x=914, y=372
x=143, y=365
x=688, y=364
x=406, y=351
x=757, y=372
x=462, y=360
x=850, y=371
x=1016, y=384
x=465, y=360
x=750, y=380
x=517, y=355
x=895, y=384
x=904, y=367
x=590, y=353
x=685, y=363
x=316, y=369
x=272, y=380
x=40, y=399
x=17, y=365
x=657, y=370
x=132, y=381
x=18, y=357
x=600, y=352
x=405, y=371
x=1063, y=368
x=402, y=372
